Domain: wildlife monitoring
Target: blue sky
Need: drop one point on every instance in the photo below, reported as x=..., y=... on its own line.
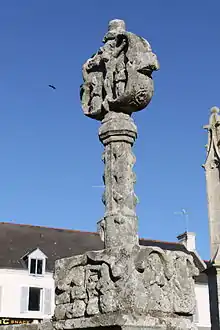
x=50, y=153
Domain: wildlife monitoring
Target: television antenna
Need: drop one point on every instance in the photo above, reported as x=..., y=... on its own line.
x=184, y=214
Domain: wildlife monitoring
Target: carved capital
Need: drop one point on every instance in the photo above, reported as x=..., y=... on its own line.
x=117, y=127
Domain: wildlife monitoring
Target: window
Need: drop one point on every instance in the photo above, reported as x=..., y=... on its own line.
x=36, y=266
x=34, y=302
x=35, y=261
x=35, y=299
x=39, y=266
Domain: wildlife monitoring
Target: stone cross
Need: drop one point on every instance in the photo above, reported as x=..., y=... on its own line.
x=212, y=172
x=117, y=82
x=125, y=285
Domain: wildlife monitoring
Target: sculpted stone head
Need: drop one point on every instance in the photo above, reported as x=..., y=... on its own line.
x=119, y=76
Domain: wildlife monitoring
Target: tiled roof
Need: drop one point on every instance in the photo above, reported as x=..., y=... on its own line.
x=16, y=240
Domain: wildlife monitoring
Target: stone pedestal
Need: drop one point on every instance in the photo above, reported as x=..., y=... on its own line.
x=142, y=287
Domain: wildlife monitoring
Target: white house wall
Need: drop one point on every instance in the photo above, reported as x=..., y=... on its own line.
x=11, y=283
x=202, y=316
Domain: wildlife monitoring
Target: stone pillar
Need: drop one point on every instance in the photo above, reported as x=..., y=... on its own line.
x=212, y=173
x=124, y=286
x=118, y=133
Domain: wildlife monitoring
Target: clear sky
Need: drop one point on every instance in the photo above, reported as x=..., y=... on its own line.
x=50, y=152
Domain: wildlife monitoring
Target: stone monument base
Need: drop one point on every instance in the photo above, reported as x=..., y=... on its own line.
x=144, y=287
x=117, y=321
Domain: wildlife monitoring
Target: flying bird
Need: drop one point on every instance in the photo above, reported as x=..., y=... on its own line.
x=52, y=86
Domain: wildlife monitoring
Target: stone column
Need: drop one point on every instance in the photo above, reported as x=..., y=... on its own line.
x=212, y=173
x=117, y=82
x=118, y=133
x=124, y=286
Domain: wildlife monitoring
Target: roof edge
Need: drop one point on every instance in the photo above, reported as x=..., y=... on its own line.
x=46, y=227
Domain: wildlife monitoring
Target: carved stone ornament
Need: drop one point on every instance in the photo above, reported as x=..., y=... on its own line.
x=212, y=147
x=117, y=286
x=125, y=285
x=118, y=77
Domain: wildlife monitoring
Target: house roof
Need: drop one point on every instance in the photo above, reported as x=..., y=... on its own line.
x=17, y=240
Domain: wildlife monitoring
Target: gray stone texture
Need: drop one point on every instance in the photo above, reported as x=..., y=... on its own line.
x=119, y=225
x=20, y=327
x=124, y=285
x=144, y=281
x=117, y=82
x=118, y=77
x=212, y=171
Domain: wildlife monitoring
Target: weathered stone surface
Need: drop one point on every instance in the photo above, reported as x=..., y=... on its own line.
x=63, y=265
x=78, y=308
x=212, y=172
x=45, y=325
x=118, y=77
x=78, y=292
x=78, y=275
x=60, y=312
x=21, y=327
x=129, y=321
x=93, y=306
x=119, y=225
x=117, y=82
x=63, y=298
x=123, y=285
x=65, y=269
x=125, y=322
x=59, y=325
x=142, y=280
x=183, y=283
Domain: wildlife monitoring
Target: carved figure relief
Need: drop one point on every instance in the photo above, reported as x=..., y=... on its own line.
x=118, y=76
x=111, y=280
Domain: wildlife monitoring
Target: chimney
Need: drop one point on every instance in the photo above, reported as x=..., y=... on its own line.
x=189, y=240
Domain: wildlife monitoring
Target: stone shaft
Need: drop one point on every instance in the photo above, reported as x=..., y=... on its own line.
x=118, y=133
x=117, y=81
x=212, y=172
